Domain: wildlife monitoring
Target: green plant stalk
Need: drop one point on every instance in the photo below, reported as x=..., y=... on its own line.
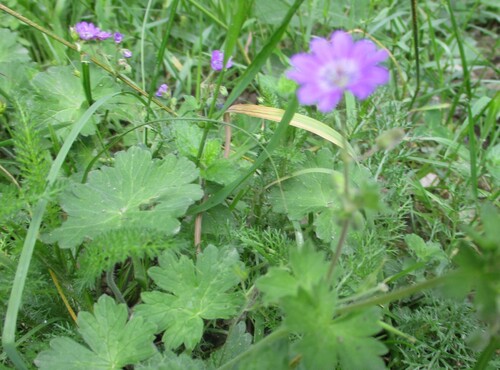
x=211, y=111
x=468, y=91
x=9, y=329
x=140, y=272
x=203, y=140
x=338, y=250
x=414, y=23
x=345, y=158
x=487, y=353
x=143, y=31
x=273, y=337
x=110, y=280
x=392, y=329
x=209, y=14
x=397, y=294
x=437, y=55
x=241, y=12
x=96, y=61
x=86, y=82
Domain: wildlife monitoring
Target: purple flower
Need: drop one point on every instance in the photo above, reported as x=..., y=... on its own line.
x=337, y=65
x=218, y=59
x=102, y=35
x=86, y=31
x=126, y=53
x=118, y=38
x=161, y=90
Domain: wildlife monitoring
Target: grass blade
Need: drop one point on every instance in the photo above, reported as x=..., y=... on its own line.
x=254, y=68
x=298, y=120
x=468, y=91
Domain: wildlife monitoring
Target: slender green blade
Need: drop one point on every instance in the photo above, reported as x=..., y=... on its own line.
x=254, y=68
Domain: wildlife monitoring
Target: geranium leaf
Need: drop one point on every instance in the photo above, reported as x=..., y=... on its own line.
x=193, y=293
x=137, y=193
x=114, y=342
x=10, y=48
x=170, y=361
x=59, y=98
x=308, y=268
x=318, y=190
x=345, y=343
x=238, y=341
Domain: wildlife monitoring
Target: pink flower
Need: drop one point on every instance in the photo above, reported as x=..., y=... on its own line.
x=118, y=37
x=162, y=90
x=86, y=31
x=217, y=60
x=103, y=35
x=337, y=65
x=126, y=53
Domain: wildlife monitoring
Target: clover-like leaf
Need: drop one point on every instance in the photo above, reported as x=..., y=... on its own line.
x=192, y=293
x=137, y=193
x=112, y=341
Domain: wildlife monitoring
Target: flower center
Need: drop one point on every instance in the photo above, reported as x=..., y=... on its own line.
x=339, y=74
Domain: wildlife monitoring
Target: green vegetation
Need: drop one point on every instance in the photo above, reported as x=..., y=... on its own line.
x=219, y=223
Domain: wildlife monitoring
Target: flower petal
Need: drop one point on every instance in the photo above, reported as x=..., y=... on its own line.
x=309, y=94
x=341, y=44
x=329, y=101
x=322, y=49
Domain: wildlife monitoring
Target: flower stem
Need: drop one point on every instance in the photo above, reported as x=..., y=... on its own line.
x=397, y=294
x=86, y=82
x=345, y=225
x=110, y=280
x=485, y=356
x=338, y=250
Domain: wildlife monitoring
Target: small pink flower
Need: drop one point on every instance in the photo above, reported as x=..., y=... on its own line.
x=218, y=59
x=86, y=31
x=126, y=53
x=118, y=37
x=103, y=35
x=162, y=90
